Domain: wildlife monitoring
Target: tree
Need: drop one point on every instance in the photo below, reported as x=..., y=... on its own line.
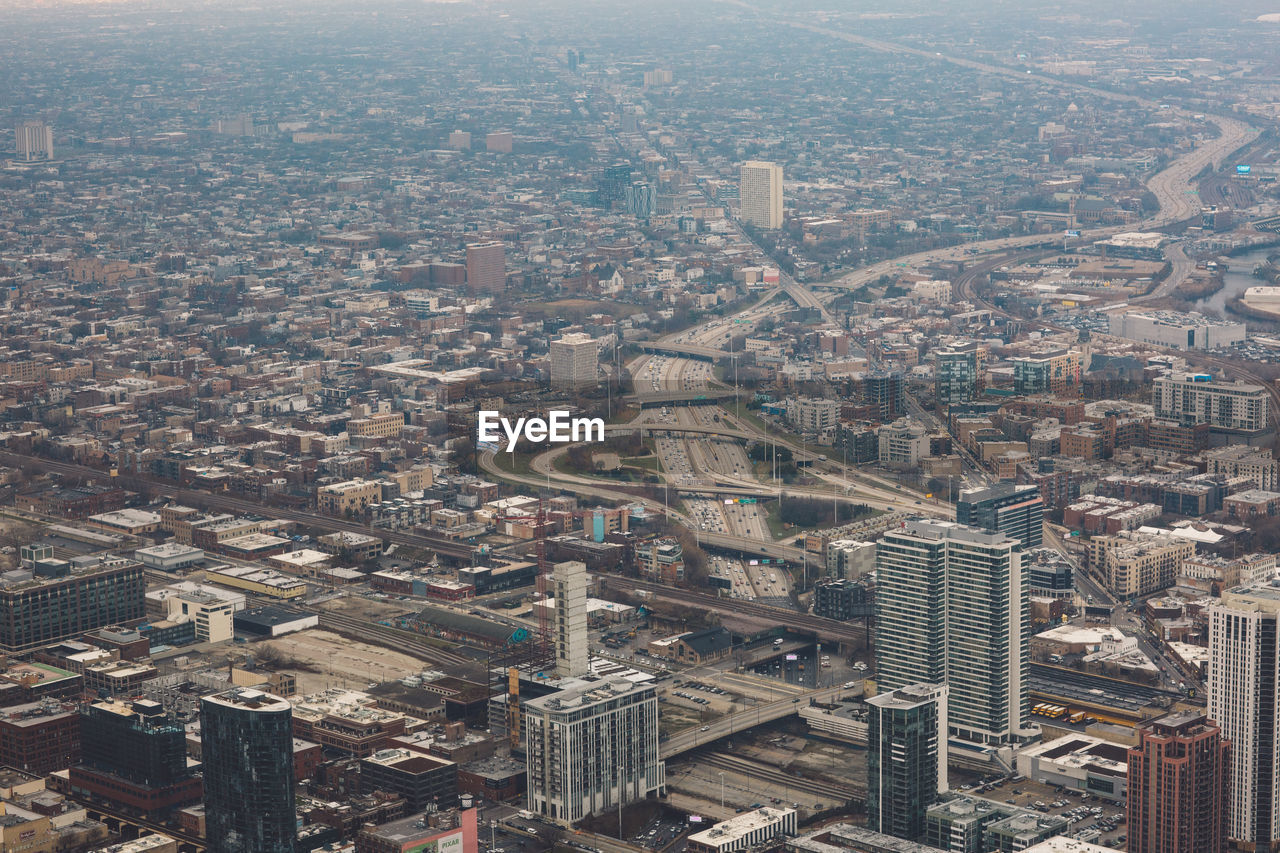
x=464, y=456
x=817, y=512
x=762, y=452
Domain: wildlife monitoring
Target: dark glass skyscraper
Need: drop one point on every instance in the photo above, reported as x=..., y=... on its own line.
x=247, y=750
x=906, y=758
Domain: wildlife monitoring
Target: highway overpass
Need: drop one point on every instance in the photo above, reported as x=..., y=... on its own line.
x=750, y=547
x=681, y=398
x=683, y=350
x=822, y=628
x=765, y=712
x=800, y=456
x=690, y=429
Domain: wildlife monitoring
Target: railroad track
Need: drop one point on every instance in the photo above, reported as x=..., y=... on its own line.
x=396, y=639
x=779, y=779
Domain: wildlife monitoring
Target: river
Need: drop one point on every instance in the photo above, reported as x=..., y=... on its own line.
x=1236, y=280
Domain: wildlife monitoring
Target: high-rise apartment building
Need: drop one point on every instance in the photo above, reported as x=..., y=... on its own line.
x=42, y=606
x=574, y=361
x=1016, y=511
x=760, y=194
x=500, y=141
x=1178, y=777
x=592, y=747
x=1054, y=372
x=486, y=267
x=572, y=638
x=34, y=141
x=1243, y=670
x=1192, y=398
x=612, y=184
x=247, y=750
x=906, y=757
x=886, y=390
x=640, y=200
x=956, y=374
x=952, y=608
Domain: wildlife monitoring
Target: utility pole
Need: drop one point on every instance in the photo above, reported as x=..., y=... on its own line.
x=734, y=355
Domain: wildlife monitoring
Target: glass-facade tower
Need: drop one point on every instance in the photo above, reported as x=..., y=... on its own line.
x=247, y=750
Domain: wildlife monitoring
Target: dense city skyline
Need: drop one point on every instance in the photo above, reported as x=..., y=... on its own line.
x=494, y=427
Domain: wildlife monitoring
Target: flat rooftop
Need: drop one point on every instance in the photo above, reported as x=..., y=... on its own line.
x=249, y=699
x=740, y=825
x=937, y=529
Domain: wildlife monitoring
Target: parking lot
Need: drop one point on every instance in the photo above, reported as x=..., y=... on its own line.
x=1087, y=812
x=658, y=832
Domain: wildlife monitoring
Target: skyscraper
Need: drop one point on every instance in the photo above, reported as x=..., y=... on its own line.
x=1016, y=511
x=760, y=193
x=486, y=267
x=612, y=184
x=247, y=751
x=640, y=199
x=956, y=374
x=1242, y=700
x=34, y=141
x=1178, y=776
x=591, y=747
x=951, y=608
x=501, y=141
x=574, y=361
x=572, y=638
x=906, y=757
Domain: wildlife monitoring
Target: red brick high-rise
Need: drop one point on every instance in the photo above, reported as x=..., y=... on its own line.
x=486, y=267
x=1178, y=778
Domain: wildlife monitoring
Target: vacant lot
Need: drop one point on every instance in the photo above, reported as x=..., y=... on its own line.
x=340, y=662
